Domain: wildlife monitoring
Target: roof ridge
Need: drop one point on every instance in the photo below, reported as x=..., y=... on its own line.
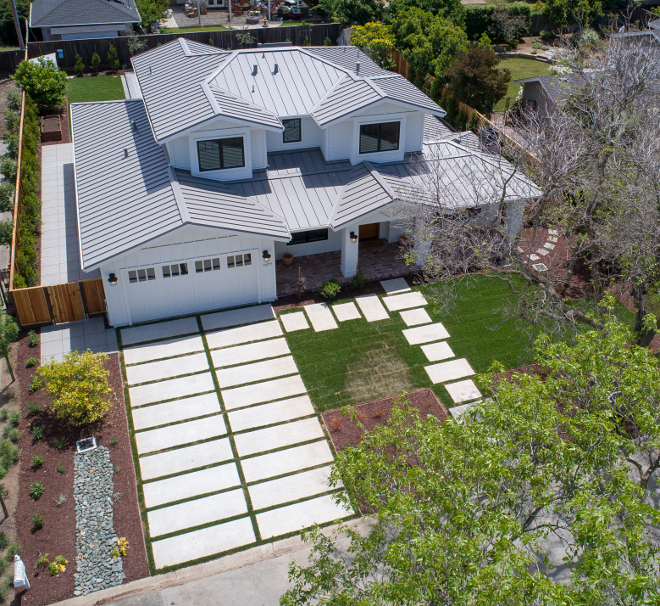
x=178, y=196
x=334, y=87
x=376, y=175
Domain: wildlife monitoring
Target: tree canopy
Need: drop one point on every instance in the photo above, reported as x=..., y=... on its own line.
x=450, y=9
x=151, y=11
x=376, y=40
x=352, y=12
x=42, y=81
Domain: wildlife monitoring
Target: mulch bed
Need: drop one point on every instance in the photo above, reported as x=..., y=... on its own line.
x=58, y=535
x=63, y=112
x=378, y=412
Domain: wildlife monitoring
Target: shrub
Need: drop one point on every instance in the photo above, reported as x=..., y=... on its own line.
x=3, y=414
x=7, y=191
x=57, y=565
x=6, y=232
x=33, y=409
x=35, y=384
x=330, y=289
x=14, y=548
x=30, y=362
x=4, y=540
x=60, y=500
x=357, y=281
x=117, y=468
x=37, y=461
x=79, y=66
x=36, y=490
x=122, y=543
x=14, y=418
x=117, y=496
x=42, y=561
x=9, y=454
x=12, y=434
x=43, y=81
x=335, y=423
x=59, y=443
x=33, y=339
x=113, y=441
x=96, y=62
x=211, y=43
x=61, y=468
x=547, y=35
x=37, y=522
x=537, y=45
x=136, y=45
x=327, y=41
x=37, y=433
x=112, y=59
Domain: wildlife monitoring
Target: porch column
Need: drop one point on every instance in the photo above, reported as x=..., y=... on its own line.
x=349, y=251
x=514, y=218
x=421, y=244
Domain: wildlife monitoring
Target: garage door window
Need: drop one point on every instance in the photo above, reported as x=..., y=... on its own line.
x=172, y=271
x=239, y=260
x=141, y=275
x=207, y=265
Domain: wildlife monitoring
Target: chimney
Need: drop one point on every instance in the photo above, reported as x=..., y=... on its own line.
x=276, y=69
x=357, y=67
x=255, y=69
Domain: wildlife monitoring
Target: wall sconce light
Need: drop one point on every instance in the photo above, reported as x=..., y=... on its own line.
x=266, y=255
x=354, y=237
x=113, y=279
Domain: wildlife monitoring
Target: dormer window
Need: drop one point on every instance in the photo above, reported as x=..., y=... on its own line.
x=379, y=137
x=220, y=154
x=292, y=131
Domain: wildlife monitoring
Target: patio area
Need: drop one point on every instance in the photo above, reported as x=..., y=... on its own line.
x=379, y=262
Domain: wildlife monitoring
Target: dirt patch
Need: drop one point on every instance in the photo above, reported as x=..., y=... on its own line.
x=343, y=432
x=57, y=537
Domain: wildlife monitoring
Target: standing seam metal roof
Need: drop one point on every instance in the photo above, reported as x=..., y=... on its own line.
x=53, y=13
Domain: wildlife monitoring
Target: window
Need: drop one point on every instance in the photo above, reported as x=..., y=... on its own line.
x=220, y=154
x=313, y=235
x=239, y=260
x=292, y=131
x=172, y=271
x=141, y=275
x=379, y=137
x=207, y=265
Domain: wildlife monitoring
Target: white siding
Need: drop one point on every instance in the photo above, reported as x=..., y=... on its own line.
x=339, y=141
x=414, y=132
x=179, y=150
x=259, y=151
x=312, y=136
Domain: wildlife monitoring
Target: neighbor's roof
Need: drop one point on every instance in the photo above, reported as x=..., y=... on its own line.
x=185, y=84
x=557, y=87
x=53, y=13
x=127, y=195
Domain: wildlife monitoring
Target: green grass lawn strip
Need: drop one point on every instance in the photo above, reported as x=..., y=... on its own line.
x=521, y=68
x=94, y=88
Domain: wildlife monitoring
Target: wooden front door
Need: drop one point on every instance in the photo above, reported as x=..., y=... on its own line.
x=369, y=231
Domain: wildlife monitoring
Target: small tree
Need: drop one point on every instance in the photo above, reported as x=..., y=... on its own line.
x=244, y=39
x=96, y=62
x=327, y=41
x=8, y=334
x=504, y=26
x=79, y=66
x=42, y=81
x=135, y=45
x=112, y=59
x=79, y=387
x=376, y=40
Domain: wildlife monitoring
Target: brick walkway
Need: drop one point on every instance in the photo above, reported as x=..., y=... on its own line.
x=377, y=263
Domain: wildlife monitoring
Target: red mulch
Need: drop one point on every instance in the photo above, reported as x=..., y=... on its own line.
x=58, y=535
x=378, y=412
x=63, y=112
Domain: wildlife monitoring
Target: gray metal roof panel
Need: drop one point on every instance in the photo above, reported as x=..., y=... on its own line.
x=435, y=128
x=235, y=108
x=347, y=96
x=557, y=87
x=398, y=88
x=347, y=57
x=50, y=13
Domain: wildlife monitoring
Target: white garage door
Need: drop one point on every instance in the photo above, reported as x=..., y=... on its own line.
x=175, y=289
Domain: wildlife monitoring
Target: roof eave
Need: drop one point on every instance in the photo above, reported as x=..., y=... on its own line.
x=441, y=113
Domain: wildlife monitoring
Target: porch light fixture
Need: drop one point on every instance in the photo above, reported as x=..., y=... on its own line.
x=266, y=255
x=113, y=279
x=354, y=237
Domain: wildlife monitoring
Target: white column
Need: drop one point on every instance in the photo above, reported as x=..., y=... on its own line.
x=514, y=217
x=421, y=243
x=349, y=251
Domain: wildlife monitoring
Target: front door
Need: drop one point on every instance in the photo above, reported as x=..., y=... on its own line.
x=369, y=231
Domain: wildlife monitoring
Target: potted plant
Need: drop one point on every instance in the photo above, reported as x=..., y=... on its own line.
x=287, y=258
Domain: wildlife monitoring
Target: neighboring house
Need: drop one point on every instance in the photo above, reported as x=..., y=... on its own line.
x=188, y=195
x=541, y=93
x=650, y=36
x=79, y=19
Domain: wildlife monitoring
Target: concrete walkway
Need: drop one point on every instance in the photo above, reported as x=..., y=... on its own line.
x=59, y=339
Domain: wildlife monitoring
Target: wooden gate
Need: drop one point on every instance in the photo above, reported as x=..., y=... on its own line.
x=66, y=302
x=93, y=296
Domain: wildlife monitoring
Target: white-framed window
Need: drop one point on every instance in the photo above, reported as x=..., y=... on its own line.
x=234, y=261
x=175, y=270
x=207, y=265
x=141, y=275
x=292, y=131
x=381, y=137
x=220, y=154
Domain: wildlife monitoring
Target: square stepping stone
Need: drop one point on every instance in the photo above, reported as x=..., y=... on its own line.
x=190, y=485
x=179, y=434
x=549, y=246
x=543, y=252
x=164, y=369
x=294, y=321
x=286, y=434
x=179, y=410
x=290, y=488
x=449, y=371
x=425, y=334
x=553, y=232
x=405, y=301
x=458, y=411
x=183, y=459
x=196, y=512
x=534, y=257
x=414, y=317
x=437, y=351
x=268, y=414
x=371, y=307
x=163, y=349
x=346, y=311
x=321, y=317
x=290, y=518
x=263, y=392
x=159, y=330
x=257, y=371
x=230, y=356
x=463, y=391
x=235, y=317
x=244, y=334
x=202, y=543
x=397, y=285
x=168, y=390
x=553, y=238
x=286, y=461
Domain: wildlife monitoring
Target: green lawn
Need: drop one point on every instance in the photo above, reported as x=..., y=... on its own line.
x=95, y=88
x=521, y=68
x=193, y=28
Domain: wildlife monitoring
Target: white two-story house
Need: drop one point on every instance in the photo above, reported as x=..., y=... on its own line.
x=187, y=195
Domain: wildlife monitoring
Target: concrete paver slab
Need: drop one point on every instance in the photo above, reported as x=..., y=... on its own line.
x=180, y=434
x=437, y=351
x=164, y=369
x=196, y=512
x=263, y=392
x=372, y=308
x=553, y=238
x=159, y=330
x=462, y=391
x=397, y=285
x=415, y=317
x=235, y=317
x=286, y=434
x=405, y=301
x=346, y=311
x=553, y=232
x=458, y=411
x=202, y=543
x=173, y=388
x=164, y=349
x=542, y=251
x=286, y=461
x=183, y=459
x=171, y=412
x=549, y=246
x=190, y=485
x=294, y=321
x=449, y=371
x=425, y=334
x=290, y=488
x=257, y=371
x=534, y=257
x=252, y=352
x=267, y=414
x=321, y=317
x=244, y=334
x=299, y=515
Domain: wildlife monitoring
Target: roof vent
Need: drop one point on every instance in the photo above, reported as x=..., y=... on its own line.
x=149, y=73
x=253, y=88
x=134, y=125
x=255, y=69
x=125, y=152
x=276, y=68
x=357, y=67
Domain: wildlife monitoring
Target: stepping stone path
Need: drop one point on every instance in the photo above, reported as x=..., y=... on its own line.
x=552, y=239
x=449, y=371
x=229, y=467
x=463, y=391
x=425, y=334
x=372, y=308
x=437, y=351
x=414, y=317
x=395, y=286
x=405, y=301
x=458, y=411
x=346, y=311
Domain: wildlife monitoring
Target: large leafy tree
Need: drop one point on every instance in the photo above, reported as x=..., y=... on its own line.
x=450, y=9
x=563, y=13
x=152, y=12
x=530, y=500
x=352, y=12
x=44, y=82
x=377, y=40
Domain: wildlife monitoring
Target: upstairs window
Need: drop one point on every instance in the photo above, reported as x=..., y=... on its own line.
x=304, y=237
x=379, y=137
x=292, y=131
x=219, y=154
